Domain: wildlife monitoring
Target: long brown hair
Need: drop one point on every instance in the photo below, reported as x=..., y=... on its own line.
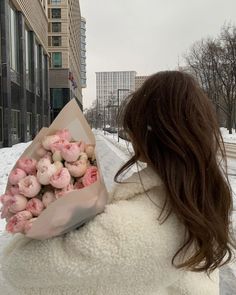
x=173, y=126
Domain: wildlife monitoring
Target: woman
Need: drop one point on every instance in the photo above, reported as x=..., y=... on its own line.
x=166, y=229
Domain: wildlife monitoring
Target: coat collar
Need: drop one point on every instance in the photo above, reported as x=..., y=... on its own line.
x=136, y=184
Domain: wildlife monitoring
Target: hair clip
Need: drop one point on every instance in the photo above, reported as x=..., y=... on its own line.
x=149, y=128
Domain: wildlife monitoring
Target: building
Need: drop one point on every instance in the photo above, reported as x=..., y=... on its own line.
x=110, y=84
x=139, y=80
x=64, y=46
x=24, y=99
x=83, y=52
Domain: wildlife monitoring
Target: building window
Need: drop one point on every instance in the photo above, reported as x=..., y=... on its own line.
x=15, y=128
x=29, y=125
x=37, y=69
x=28, y=59
x=13, y=39
x=56, y=12
x=38, y=117
x=56, y=40
x=56, y=27
x=57, y=98
x=55, y=2
x=1, y=125
x=56, y=60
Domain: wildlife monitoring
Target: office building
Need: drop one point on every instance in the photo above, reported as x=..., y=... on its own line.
x=109, y=84
x=83, y=52
x=24, y=98
x=139, y=80
x=64, y=45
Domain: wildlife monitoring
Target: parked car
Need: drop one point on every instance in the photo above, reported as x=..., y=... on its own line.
x=123, y=135
x=110, y=129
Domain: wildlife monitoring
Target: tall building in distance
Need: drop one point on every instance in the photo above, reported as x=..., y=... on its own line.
x=83, y=52
x=139, y=80
x=108, y=84
x=64, y=45
x=24, y=99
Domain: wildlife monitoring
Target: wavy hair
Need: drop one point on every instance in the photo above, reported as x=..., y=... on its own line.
x=173, y=126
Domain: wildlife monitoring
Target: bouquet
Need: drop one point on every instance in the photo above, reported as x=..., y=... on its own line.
x=56, y=185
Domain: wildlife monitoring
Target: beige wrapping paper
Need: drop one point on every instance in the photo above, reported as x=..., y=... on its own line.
x=77, y=207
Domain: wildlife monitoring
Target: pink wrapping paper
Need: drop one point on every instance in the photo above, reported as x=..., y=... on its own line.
x=77, y=207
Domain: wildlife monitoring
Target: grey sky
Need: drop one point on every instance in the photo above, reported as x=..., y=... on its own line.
x=146, y=36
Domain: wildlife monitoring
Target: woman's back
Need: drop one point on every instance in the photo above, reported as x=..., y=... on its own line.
x=122, y=251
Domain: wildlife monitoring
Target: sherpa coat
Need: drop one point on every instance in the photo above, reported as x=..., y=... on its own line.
x=123, y=251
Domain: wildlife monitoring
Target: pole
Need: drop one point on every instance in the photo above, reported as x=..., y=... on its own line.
x=118, y=105
x=104, y=123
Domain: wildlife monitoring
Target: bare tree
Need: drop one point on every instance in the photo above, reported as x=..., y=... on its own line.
x=213, y=63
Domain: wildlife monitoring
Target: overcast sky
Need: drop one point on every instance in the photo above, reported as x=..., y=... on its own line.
x=146, y=35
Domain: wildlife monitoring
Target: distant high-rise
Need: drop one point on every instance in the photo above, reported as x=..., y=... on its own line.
x=139, y=80
x=83, y=52
x=64, y=45
x=108, y=83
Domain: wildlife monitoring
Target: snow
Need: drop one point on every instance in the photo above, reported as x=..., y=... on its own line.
x=230, y=138
x=111, y=156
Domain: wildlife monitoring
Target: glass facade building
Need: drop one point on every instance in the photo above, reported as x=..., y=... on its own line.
x=24, y=92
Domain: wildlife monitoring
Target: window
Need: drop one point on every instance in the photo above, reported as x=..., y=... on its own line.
x=56, y=60
x=28, y=58
x=15, y=128
x=56, y=12
x=29, y=125
x=56, y=27
x=38, y=117
x=1, y=125
x=56, y=40
x=37, y=77
x=57, y=98
x=13, y=39
x=55, y=2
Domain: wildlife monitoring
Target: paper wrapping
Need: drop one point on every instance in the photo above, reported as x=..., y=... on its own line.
x=76, y=207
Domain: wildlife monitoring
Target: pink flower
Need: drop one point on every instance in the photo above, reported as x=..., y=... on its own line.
x=28, y=165
x=89, y=150
x=5, y=213
x=48, y=198
x=64, y=134
x=14, y=190
x=17, y=203
x=5, y=198
x=45, y=173
x=90, y=176
x=61, y=178
x=16, y=223
x=57, y=157
x=44, y=162
x=58, y=165
x=29, y=186
x=28, y=224
x=16, y=175
x=81, y=146
x=78, y=185
x=57, y=146
x=35, y=206
x=78, y=168
x=41, y=151
x=70, y=152
x=48, y=156
x=49, y=140
x=83, y=156
x=62, y=192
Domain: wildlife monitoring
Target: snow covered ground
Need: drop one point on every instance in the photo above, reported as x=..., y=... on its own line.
x=111, y=156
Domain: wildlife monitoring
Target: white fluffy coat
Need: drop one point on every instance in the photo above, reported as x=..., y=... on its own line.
x=123, y=251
